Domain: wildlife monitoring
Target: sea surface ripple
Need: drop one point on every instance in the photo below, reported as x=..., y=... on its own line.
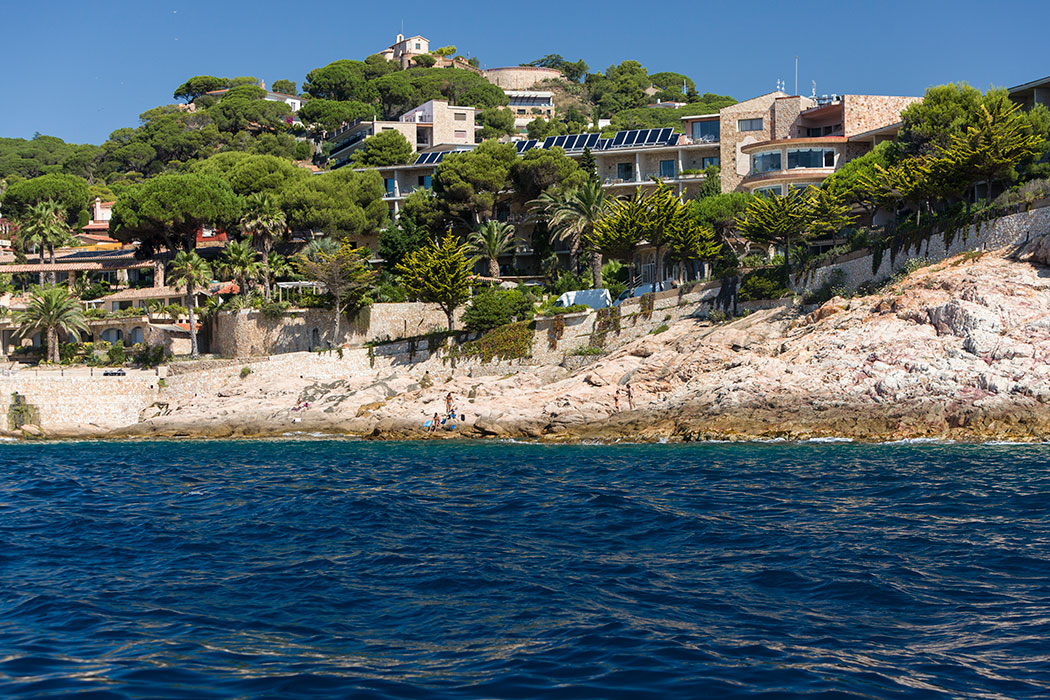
x=326, y=568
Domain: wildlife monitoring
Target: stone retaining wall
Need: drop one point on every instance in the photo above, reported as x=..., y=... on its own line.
x=78, y=399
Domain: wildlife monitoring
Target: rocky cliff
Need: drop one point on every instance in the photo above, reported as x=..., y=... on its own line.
x=956, y=350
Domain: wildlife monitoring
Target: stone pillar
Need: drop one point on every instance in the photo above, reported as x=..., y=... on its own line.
x=158, y=274
x=71, y=277
x=122, y=276
x=637, y=167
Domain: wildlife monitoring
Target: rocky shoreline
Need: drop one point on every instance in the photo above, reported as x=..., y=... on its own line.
x=956, y=351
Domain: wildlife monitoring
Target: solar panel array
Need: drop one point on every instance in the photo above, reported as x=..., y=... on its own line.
x=644, y=137
x=573, y=142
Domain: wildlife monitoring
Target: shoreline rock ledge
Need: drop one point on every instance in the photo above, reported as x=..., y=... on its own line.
x=957, y=350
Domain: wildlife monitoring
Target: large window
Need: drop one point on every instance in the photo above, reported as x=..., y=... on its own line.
x=667, y=168
x=765, y=162
x=708, y=131
x=424, y=181
x=707, y=162
x=389, y=182
x=811, y=158
x=625, y=171
x=768, y=191
x=749, y=125
x=459, y=116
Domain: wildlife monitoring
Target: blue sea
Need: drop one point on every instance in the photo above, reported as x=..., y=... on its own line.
x=326, y=568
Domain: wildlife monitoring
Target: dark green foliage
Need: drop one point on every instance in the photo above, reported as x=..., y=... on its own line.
x=510, y=342
x=330, y=114
x=244, y=106
x=342, y=203
x=44, y=154
x=399, y=239
x=285, y=87
x=385, y=148
x=764, y=283
x=572, y=70
x=70, y=193
x=116, y=354
x=199, y=85
x=496, y=307
x=167, y=211
x=302, y=151
x=540, y=169
x=469, y=184
x=496, y=122
x=248, y=174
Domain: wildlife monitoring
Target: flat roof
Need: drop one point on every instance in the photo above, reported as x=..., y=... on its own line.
x=1033, y=84
x=702, y=116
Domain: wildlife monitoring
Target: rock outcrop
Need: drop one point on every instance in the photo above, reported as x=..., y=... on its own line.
x=957, y=350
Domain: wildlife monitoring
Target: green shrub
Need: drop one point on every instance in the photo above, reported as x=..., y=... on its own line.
x=496, y=307
x=586, y=351
x=513, y=341
x=274, y=309
x=835, y=286
x=548, y=309
x=245, y=371
x=764, y=283
x=116, y=354
x=659, y=329
x=149, y=356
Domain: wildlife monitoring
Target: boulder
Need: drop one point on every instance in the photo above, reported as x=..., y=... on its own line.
x=488, y=427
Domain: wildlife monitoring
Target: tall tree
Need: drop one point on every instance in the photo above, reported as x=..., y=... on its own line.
x=53, y=311
x=385, y=148
x=439, y=273
x=491, y=240
x=346, y=275
x=44, y=225
x=575, y=218
x=470, y=184
x=238, y=261
x=264, y=222
x=192, y=270
x=167, y=211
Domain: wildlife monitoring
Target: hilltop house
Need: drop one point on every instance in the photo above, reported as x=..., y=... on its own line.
x=428, y=126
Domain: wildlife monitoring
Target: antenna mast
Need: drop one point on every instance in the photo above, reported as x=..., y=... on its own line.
x=796, y=75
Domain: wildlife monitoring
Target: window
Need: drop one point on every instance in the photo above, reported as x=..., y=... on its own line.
x=666, y=168
x=749, y=125
x=768, y=191
x=765, y=162
x=417, y=45
x=424, y=181
x=389, y=182
x=811, y=158
x=460, y=116
x=502, y=211
x=460, y=133
x=625, y=171
x=707, y=162
x=708, y=131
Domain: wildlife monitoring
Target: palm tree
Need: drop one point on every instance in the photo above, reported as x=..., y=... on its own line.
x=238, y=261
x=191, y=269
x=276, y=266
x=319, y=245
x=491, y=240
x=52, y=310
x=544, y=207
x=44, y=225
x=264, y=221
x=575, y=219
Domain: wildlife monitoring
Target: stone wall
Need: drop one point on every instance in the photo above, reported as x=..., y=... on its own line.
x=991, y=235
x=250, y=333
x=735, y=165
x=862, y=113
x=81, y=398
x=520, y=77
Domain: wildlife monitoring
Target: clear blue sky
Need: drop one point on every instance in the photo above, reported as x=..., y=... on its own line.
x=80, y=70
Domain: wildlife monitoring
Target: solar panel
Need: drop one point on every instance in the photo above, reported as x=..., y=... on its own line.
x=523, y=146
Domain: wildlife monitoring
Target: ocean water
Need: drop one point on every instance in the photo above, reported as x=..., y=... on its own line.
x=317, y=568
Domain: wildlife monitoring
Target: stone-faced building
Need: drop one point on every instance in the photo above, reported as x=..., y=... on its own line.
x=776, y=141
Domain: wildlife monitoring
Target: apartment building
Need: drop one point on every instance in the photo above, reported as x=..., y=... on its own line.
x=527, y=105
x=1030, y=94
x=776, y=141
x=432, y=124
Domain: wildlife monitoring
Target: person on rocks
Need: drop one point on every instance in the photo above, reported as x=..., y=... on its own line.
x=630, y=397
x=448, y=403
x=616, y=399
x=435, y=422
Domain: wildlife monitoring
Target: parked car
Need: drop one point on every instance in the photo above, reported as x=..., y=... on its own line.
x=114, y=373
x=594, y=298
